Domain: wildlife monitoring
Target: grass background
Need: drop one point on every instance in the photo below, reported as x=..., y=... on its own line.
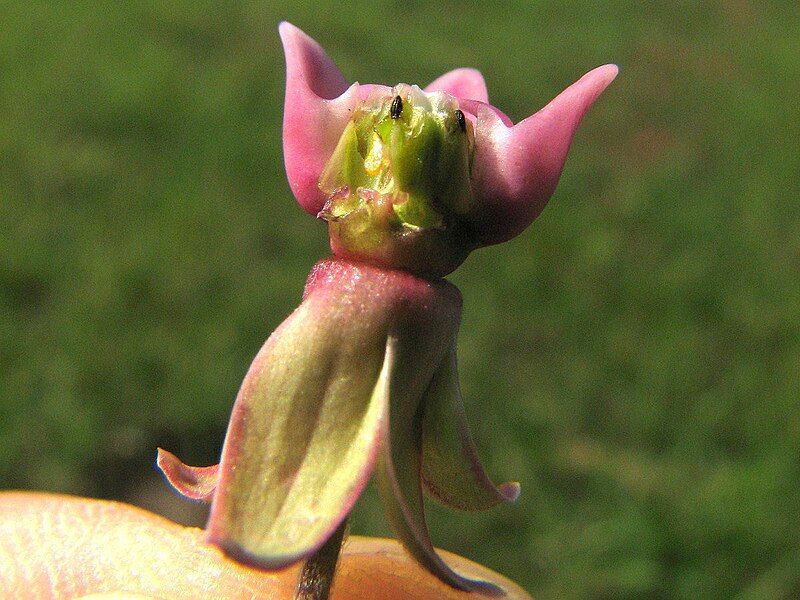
x=633, y=358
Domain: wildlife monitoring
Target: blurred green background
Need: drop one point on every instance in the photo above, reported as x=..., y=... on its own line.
x=633, y=358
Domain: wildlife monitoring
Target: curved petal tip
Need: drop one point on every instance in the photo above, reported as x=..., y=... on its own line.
x=510, y=490
x=317, y=107
x=193, y=483
x=517, y=168
x=587, y=89
x=604, y=73
x=313, y=64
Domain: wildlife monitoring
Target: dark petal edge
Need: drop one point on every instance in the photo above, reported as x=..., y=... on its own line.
x=398, y=473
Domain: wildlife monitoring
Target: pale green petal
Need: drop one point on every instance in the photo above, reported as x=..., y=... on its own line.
x=303, y=437
x=398, y=469
x=451, y=470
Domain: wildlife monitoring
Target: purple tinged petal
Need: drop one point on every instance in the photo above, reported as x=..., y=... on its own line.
x=307, y=424
x=403, y=505
x=399, y=464
x=461, y=83
x=193, y=483
x=516, y=169
x=451, y=470
x=318, y=105
x=303, y=437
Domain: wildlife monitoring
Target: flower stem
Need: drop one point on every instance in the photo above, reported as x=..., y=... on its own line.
x=316, y=578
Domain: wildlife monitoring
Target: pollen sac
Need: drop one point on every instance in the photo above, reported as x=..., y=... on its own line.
x=398, y=183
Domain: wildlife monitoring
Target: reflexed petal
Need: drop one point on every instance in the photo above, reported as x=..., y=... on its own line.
x=398, y=469
x=317, y=108
x=461, y=83
x=302, y=441
x=306, y=427
x=451, y=470
x=193, y=483
x=516, y=169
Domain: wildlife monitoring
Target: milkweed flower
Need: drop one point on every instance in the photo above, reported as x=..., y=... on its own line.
x=362, y=377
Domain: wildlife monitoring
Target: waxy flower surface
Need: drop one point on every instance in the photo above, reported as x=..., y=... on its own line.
x=362, y=378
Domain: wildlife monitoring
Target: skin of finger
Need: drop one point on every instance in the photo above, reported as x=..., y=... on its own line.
x=57, y=547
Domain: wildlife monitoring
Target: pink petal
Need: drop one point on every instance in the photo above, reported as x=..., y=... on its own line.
x=193, y=483
x=317, y=108
x=461, y=83
x=472, y=107
x=516, y=169
x=367, y=91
